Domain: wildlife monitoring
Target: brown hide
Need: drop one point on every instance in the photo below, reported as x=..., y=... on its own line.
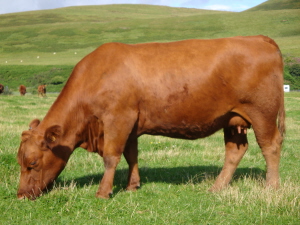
x=22, y=90
x=42, y=90
x=186, y=89
x=1, y=88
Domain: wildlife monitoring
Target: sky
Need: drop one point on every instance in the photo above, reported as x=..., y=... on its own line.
x=30, y=5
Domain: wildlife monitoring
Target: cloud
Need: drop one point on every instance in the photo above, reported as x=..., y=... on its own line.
x=232, y=8
x=194, y=3
x=218, y=7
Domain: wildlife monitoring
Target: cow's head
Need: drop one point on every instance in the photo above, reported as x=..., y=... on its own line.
x=42, y=158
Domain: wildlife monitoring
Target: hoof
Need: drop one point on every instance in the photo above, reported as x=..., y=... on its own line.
x=103, y=195
x=133, y=187
x=273, y=186
x=215, y=189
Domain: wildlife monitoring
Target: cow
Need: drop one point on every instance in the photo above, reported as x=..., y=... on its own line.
x=186, y=89
x=42, y=90
x=1, y=88
x=22, y=90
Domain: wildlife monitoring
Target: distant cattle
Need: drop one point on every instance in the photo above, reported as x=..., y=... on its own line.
x=22, y=90
x=186, y=89
x=42, y=90
x=1, y=88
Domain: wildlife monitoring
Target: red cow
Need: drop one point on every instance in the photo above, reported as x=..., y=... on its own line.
x=42, y=90
x=187, y=89
x=1, y=88
x=22, y=90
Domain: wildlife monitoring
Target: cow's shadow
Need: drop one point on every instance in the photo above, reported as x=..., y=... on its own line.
x=174, y=175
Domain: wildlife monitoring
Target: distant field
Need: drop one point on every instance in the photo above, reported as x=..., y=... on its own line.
x=63, y=36
x=175, y=176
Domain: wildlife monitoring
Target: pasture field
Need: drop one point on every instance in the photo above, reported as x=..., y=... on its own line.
x=175, y=174
x=63, y=36
x=175, y=178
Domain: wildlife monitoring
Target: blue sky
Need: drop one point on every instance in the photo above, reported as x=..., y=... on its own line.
x=29, y=5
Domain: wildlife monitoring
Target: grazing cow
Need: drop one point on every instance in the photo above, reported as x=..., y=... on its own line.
x=42, y=90
x=1, y=88
x=22, y=90
x=187, y=89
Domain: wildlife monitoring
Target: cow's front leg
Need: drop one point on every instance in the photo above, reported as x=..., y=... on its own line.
x=131, y=156
x=106, y=184
x=116, y=136
x=236, y=145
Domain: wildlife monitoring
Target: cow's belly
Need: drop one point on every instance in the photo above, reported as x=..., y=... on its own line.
x=183, y=129
x=192, y=132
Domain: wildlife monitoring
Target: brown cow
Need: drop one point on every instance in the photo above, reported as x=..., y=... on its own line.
x=1, y=88
x=22, y=90
x=42, y=90
x=187, y=89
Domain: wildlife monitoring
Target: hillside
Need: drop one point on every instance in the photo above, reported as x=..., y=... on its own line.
x=61, y=37
x=277, y=5
x=24, y=36
x=72, y=32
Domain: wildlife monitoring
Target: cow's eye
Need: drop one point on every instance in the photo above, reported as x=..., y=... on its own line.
x=32, y=165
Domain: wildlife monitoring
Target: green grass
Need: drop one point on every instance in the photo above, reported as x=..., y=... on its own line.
x=32, y=76
x=175, y=177
x=175, y=174
x=25, y=36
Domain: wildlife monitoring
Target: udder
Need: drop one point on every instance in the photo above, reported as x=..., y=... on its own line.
x=238, y=125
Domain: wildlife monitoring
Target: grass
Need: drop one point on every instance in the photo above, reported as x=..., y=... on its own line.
x=32, y=76
x=175, y=176
x=66, y=31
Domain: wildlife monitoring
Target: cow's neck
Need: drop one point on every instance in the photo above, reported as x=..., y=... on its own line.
x=68, y=113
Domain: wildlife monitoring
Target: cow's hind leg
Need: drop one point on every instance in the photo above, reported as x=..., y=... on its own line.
x=236, y=145
x=269, y=139
x=131, y=156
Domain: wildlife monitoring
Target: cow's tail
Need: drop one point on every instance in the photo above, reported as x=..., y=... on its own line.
x=281, y=117
x=281, y=111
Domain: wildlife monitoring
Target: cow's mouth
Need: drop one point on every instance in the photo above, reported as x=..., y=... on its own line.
x=27, y=195
x=34, y=192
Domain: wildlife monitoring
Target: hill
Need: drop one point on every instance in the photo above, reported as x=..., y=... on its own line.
x=277, y=5
x=72, y=32
x=61, y=37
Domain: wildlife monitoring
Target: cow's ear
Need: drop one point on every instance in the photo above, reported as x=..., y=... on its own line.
x=52, y=135
x=34, y=123
x=25, y=135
